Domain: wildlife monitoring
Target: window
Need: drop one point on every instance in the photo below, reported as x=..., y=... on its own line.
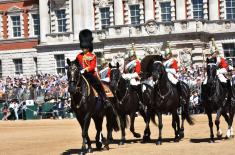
x=166, y=11
x=60, y=63
x=230, y=9
x=0, y=68
x=197, y=9
x=16, y=26
x=36, y=23
x=61, y=19
x=229, y=51
x=135, y=14
x=18, y=66
x=105, y=17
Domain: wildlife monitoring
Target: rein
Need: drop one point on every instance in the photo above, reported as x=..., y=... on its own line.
x=164, y=95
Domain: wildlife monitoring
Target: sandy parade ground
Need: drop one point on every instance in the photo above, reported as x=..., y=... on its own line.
x=53, y=137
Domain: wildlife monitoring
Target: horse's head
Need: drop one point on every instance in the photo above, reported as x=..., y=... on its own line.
x=158, y=71
x=73, y=73
x=211, y=69
x=115, y=76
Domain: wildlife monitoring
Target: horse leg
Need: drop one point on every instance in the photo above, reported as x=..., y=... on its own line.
x=109, y=127
x=86, y=139
x=80, y=119
x=99, y=137
x=175, y=126
x=217, y=122
x=132, y=127
x=147, y=131
x=227, y=119
x=181, y=133
x=160, y=126
x=231, y=115
x=123, y=126
x=209, y=115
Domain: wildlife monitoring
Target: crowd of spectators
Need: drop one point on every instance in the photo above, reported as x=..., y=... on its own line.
x=18, y=91
x=194, y=77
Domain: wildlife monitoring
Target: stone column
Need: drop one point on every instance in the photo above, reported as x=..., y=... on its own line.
x=77, y=18
x=148, y=10
x=44, y=20
x=118, y=12
x=88, y=17
x=214, y=9
x=180, y=10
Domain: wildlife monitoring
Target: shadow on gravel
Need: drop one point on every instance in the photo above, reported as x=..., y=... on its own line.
x=205, y=140
x=129, y=141
x=81, y=152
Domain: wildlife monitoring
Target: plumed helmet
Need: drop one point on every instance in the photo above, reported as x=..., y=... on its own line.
x=85, y=38
x=167, y=51
x=213, y=48
x=132, y=51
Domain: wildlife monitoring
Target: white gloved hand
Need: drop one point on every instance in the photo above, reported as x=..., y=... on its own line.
x=171, y=70
x=221, y=71
x=82, y=71
x=126, y=76
x=134, y=75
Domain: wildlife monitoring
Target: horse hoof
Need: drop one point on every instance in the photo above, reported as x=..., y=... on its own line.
x=159, y=142
x=110, y=139
x=176, y=140
x=219, y=133
x=89, y=150
x=181, y=135
x=99, y=145
x=121, y=143
x=212, y=141
x=146, y=139
x=137, y=135
x=106, y=147
x=82, y=153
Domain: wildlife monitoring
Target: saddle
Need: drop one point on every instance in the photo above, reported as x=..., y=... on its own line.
x=107, y=90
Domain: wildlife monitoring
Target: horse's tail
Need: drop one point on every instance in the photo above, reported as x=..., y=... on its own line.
x=152, y=117
x=113, y=118
x=185, y=113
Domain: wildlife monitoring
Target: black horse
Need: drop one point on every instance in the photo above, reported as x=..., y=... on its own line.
x=91, y=109
x=127, y=102
x=166, y=99
x=214, y=98
x=232, y=107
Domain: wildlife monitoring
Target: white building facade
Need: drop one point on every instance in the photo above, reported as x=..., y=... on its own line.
x=187, y=24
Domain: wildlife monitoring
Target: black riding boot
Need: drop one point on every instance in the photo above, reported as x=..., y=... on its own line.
x=104, y=100
x=178, y=86
x=229, y=87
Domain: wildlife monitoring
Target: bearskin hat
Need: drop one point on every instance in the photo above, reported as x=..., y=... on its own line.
x=85, y=38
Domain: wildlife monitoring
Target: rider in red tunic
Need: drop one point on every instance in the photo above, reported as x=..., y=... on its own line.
x=87, y=60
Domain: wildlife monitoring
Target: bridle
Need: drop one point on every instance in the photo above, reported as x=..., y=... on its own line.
x=162, y=96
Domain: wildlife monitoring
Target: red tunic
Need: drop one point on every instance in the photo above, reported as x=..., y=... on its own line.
x=109, y=71
x=223, y=63
x=87, y=61
x=175, y=65
x=137, y=67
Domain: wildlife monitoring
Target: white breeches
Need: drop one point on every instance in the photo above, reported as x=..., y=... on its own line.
x=172, y=78
x=134, y=82
x=107, y=79
x=221, y=77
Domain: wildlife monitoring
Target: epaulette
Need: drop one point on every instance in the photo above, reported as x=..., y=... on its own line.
x=89, y=57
